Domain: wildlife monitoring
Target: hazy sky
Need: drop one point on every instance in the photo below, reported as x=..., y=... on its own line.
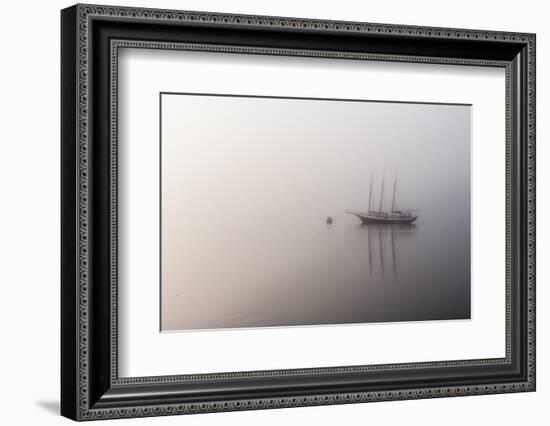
x=241, y=177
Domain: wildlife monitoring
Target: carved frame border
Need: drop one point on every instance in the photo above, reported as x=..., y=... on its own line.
x=85, y=13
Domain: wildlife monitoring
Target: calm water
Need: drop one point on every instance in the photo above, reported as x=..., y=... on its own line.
x=325, y=274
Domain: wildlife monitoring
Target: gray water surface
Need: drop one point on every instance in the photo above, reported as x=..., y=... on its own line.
x=340, y=273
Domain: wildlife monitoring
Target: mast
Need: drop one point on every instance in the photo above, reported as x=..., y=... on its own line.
x=393, y=198
x=381, y=193
x=370, y=193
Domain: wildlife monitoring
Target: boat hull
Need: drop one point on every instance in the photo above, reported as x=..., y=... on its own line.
x=371, y=219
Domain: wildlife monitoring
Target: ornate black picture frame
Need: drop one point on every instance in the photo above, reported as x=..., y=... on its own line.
x=91, y=387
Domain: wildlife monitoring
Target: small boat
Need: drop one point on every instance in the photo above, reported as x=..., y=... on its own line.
x=329, y=220
x=381, y=217
x=396, y=216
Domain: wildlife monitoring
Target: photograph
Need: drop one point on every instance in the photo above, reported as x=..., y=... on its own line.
x=264, y=208
x=286, y=211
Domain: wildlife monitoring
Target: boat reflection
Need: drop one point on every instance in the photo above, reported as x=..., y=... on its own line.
x=383, y=241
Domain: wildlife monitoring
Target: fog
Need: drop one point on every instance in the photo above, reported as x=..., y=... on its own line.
x=247, y=185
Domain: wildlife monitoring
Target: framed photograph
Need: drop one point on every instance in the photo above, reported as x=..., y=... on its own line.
x=263, y=212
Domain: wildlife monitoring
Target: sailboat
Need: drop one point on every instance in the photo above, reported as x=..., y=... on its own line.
x=379, y=216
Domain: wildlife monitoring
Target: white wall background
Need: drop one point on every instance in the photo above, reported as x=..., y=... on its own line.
x=29, y=225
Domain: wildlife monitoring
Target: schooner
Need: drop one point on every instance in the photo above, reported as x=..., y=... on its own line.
x=380, y=216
